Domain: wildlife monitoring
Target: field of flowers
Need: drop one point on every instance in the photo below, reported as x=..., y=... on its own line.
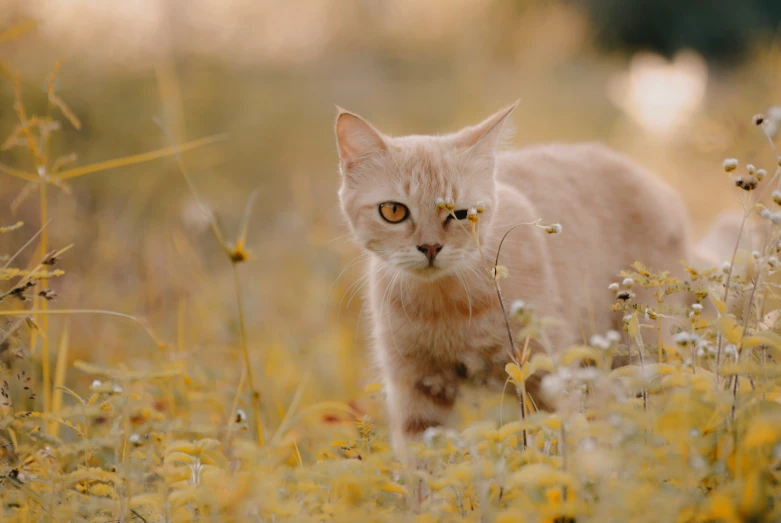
x=206, y=367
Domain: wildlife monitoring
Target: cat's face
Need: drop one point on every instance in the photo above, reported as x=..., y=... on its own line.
x=391, y=186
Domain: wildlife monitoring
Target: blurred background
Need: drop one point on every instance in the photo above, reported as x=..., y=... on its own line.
x=672, y=84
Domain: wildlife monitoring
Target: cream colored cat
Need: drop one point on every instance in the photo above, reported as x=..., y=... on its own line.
x=436, y=317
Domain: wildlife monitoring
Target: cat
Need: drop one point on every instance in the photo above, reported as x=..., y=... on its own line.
x=436, y=318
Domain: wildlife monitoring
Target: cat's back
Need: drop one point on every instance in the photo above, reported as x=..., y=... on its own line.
x=573, y=178
x=591, y=169
x=607, y=202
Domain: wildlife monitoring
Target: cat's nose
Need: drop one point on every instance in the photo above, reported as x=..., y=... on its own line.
x=430, y=250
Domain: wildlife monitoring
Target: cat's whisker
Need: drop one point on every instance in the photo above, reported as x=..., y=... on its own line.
x=356, y=291
x=379, y=275
x=387, y=317
x=356, y=285
x=353, y=262
x=468, y=296
x=403, y=302
x=342, y=237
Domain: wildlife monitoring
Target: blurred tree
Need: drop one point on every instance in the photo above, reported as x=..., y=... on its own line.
x=721, y=30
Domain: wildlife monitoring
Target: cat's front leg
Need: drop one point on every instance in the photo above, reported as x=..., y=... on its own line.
x=418, y=401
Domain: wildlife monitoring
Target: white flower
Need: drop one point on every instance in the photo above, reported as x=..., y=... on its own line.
x=480, y=207
x=776, y=218
x=697, y=307
x=116, y=389
x=684, y=338
x=765, y=213
x=599, y=342
x=96, y=384
x=517, y=307
x=613, y=287
x=628, y=282
x=730, y=164
x=553, y=385
x=430, y=434
x=725, y=267
x=613, y=336
x=750, y=168
x=241, y=416
x=441, y=203
x=134, y=439
x=773, y=262
x=755, y=254
x=760, y=174
x=776, y=197
x=553, y=229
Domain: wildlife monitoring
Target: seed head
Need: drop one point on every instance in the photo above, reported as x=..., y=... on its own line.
x=628, y=282
x=472, y=216
x=684, y=338
x=776, y=197
x=650, y=314
x=765, y=213
x=441, y=203
x=747, y=183
x=750, y=168
x=613, y=287
x=553, y=229
x=697, y=308
x=775, y=218
x=450, y=204
x=730, y=164
x=613, y=336
x=480, y=207
x=760, y=174
x=241, y=416
x=725, y=267
x=96, y=384
x=134, y=439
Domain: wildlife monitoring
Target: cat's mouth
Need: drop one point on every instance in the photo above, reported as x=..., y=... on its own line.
x=431, y=271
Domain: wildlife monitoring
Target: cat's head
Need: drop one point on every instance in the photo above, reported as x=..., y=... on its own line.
x=391, y=186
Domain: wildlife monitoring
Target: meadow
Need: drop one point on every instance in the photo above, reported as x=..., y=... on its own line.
x=182, y=334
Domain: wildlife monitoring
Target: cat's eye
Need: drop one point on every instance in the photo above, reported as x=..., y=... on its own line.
x=460, y=215
x=394, y=212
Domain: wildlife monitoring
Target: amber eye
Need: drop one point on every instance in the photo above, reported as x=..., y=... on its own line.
x=393, y=212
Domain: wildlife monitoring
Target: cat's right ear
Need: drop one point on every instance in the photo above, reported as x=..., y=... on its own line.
x=356, y=139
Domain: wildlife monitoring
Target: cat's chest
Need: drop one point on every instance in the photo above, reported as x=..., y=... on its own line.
x=449, y=335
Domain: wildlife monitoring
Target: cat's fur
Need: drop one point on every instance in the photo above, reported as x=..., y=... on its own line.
x=434, y=327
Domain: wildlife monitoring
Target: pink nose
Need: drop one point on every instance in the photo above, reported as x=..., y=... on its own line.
x=430, y=251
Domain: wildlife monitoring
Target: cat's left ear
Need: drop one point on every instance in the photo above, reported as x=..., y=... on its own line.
x=484, y=137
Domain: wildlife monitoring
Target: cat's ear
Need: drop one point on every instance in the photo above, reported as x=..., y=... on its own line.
x=484, y=137
x=356, y=139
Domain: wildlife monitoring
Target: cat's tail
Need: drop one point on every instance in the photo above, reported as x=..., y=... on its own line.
x=718, y=243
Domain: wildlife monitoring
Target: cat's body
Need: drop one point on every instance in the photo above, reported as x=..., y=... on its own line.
x=435, y=326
